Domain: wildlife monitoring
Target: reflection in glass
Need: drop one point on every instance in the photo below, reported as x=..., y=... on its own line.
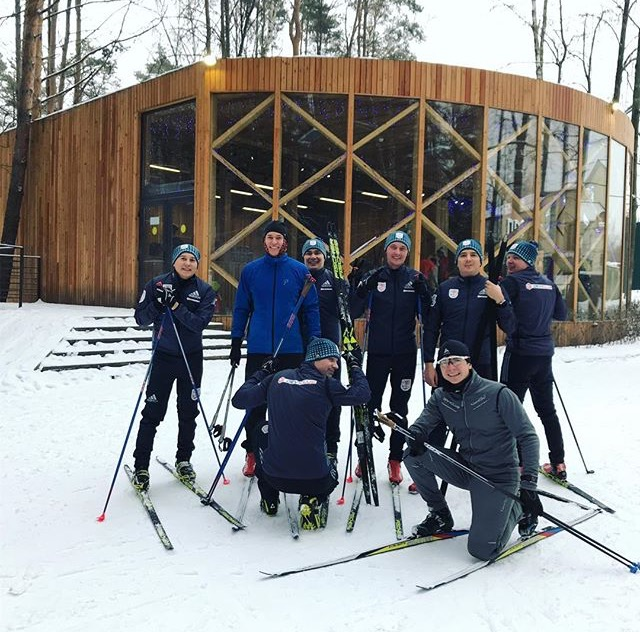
x=559, y=173
x=615, y=219
x=592, y=225
x=511, y=171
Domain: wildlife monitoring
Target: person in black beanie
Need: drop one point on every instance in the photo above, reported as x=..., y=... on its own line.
x=267, y=293
x=490, y=426
x=192, y=303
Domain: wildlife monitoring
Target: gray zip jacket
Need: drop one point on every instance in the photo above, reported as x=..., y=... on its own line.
x=489, y=423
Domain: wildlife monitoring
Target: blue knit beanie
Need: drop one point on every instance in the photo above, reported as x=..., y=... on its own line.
x=469, y=244
x=400, y=236
x=321, y=348
x=314, y=243
x=526, y=250
x=178, y=250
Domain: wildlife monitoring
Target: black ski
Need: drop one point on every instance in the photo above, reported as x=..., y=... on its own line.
x=355, y=506
x=349, y=343
x=200, y=493
x=244, y=500
x=576, y=490
x=292, y=517
x=522, y=543
x=387, y=548
x=397, y=511
x=151, y=511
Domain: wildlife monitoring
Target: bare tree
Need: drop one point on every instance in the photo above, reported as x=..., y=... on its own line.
x=295, y=28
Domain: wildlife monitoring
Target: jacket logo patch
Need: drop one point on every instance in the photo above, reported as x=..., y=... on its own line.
x=538, y=286
x=194, y=296
x=382, y=286
x=284, y=380
x=405, y=385
x=453, y=292
x=477, y=403
x=408, y=288
x=195, y=394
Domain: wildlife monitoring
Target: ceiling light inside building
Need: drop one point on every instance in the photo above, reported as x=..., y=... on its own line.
x=326, y=199
x=241, y=192
x=255, y=210
x=264, y=186
x=164, y=168
x=375, y=195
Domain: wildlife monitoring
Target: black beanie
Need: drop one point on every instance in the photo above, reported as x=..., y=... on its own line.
x=275, y=226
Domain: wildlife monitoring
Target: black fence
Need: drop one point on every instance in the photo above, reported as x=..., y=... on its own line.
x=26, y=272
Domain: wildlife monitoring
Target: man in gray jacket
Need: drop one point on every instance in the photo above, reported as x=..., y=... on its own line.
x=490, y=425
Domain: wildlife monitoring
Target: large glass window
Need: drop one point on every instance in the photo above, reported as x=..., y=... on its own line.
x=557, y=219
x=511, y=171
x=592, y=224
x=615, y=220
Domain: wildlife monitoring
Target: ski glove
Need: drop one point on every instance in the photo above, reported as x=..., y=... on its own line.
x=419, y=284
x=531, y=504
x=370, y=281
x=353, y=358
x=165, y=296
x=417, y=441
x=236, y=354
x=270, y=366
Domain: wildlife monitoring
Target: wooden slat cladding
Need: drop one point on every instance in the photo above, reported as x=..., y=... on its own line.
x=81, y=209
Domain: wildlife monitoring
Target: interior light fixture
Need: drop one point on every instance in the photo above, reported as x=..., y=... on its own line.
x=163, y=168
x=255, y=210
x=264, y=186
x=375, y=195
x=326, y=199
x=240, y=192
x=302, y=206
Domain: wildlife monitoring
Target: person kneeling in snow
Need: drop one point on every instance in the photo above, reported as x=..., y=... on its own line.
x=292, y=451
x=490, y=426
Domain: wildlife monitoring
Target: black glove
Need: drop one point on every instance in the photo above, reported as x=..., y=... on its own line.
x=270, y=366
x=419, y=284
x=352, y=359
x=165, y=295
x=236, y=354
x=417, y=441
x=531, y=504
x=370, y=280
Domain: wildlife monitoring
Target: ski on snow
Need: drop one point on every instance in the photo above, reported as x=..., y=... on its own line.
x=523, y=543
x=576, y=490
x=151, y=511
x=397, y=511
x=387, y=548
x=244, y=501
x=355, y=505
x=198, y=491
x=292, y=518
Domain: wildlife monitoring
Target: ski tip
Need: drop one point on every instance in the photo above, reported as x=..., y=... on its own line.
x=101, y=517
x=340, y=501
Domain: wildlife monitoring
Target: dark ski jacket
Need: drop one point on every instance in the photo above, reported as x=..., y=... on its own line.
x=328, y=289
x=487, y=420
x=298, y=402
x=394, y=308
x=197, y=302
x=536, y=302
x=457, y=309
x=267, y=294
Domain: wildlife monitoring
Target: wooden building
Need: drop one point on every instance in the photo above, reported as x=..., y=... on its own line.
x=208, y=154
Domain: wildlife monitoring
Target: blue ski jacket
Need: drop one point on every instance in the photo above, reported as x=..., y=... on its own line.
x=268, y=291
x=536, y=302
x=196, y=306
x=299, y=402
x=457, y=309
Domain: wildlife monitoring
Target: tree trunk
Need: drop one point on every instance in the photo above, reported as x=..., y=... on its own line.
x=52, y=27
x=59, y=100
x=30, y=41
x=635, y=121
x=77, y=71
x=621, y=44
x=295, y=28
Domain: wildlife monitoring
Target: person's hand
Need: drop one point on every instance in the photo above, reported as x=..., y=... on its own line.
x=530, y=501
x=370, y=280
x=494, y=292
x=164, y=295
x=419, y=284
x=417, y=441
x=430, y=375
x=353, y=358
x=270, y=366
x=236, y=353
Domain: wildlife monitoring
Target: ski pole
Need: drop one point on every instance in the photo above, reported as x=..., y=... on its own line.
x=421, y=338
x=566, y=414
x=309, y=281
x=195, y=389
x=347, y=465
x=632, y=566
x=102, y=516
x=221, y=430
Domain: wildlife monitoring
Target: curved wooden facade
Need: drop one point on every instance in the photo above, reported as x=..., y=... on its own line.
x=82, y=206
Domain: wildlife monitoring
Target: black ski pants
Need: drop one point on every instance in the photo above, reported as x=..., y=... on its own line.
x=534, y=373
x=166, y=370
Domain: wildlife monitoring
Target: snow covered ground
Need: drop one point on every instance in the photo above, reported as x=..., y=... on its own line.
x=62, y=571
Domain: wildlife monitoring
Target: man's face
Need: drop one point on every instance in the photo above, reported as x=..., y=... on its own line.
x=327, y=366
x=469, y=263
x=396, y=254
x=273, y=243
x=186, y=265
x=314, y=259
x=515, y=264
x=455, y=369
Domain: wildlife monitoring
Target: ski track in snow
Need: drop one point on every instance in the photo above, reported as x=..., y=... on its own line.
x=62, y=571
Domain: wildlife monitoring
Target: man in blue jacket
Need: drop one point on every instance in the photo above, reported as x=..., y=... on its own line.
x=397, y=294
x=192, y=303
x=268, y=291
x=292, y=455
x=527, y=360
